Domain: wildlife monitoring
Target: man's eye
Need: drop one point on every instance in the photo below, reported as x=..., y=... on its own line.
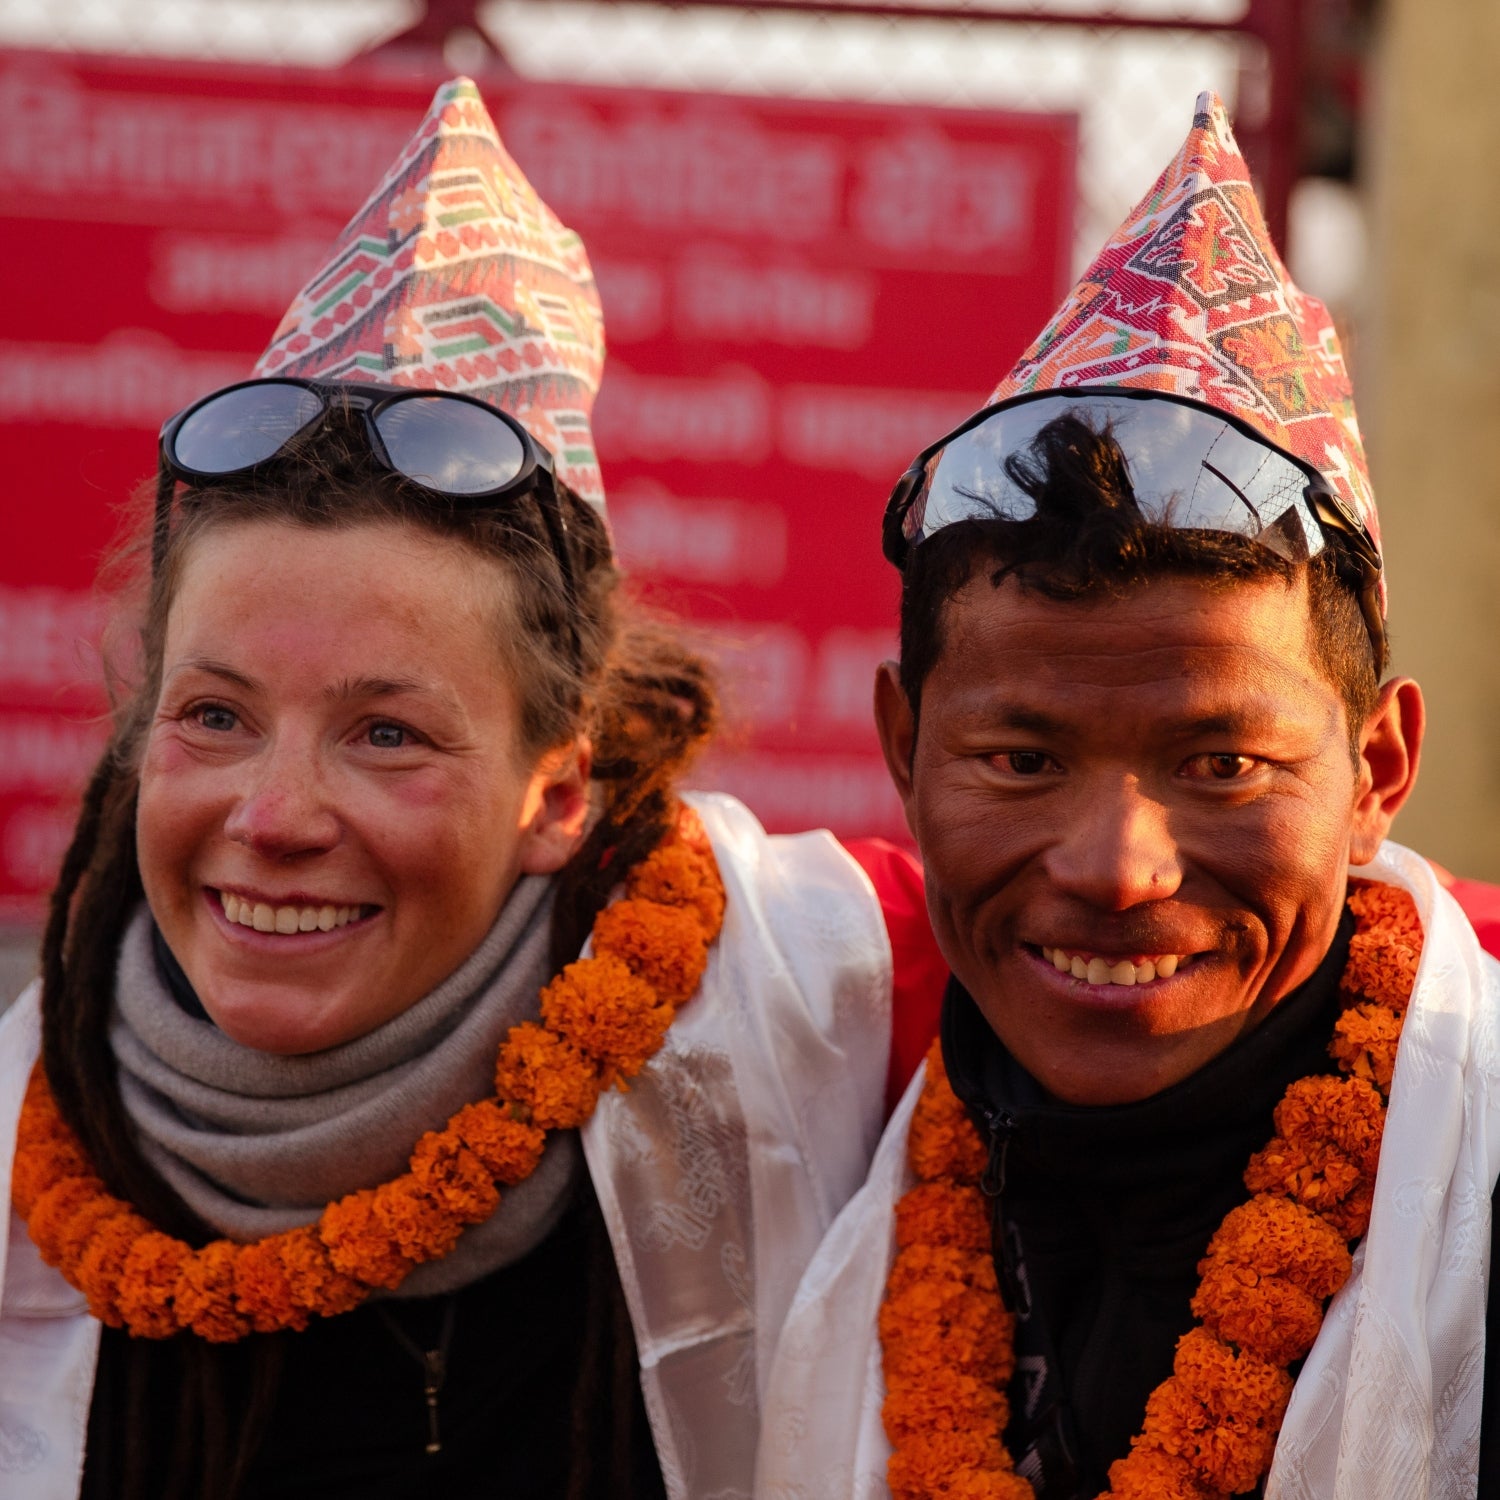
x=1222, y=767
x=1025, y=762
x=388, y=737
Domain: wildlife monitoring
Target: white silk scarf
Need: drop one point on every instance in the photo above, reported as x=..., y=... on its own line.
x=1387, y=1406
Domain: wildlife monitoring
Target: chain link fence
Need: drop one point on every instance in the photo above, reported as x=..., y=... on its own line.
x=1132, y=89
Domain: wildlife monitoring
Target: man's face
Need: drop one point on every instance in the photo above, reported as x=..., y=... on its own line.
x=1136, y=815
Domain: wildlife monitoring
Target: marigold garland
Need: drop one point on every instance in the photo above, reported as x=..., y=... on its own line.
x=603, y=1018
x=1209, y=1429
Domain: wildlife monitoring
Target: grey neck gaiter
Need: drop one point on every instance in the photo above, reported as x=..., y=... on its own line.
x=255, y=1143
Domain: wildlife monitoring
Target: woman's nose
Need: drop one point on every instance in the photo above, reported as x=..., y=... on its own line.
x=283, y=809
x=1115, y=848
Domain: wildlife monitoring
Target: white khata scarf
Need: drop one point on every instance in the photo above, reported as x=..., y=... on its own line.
x=255, y=1143
x=1387, y=1406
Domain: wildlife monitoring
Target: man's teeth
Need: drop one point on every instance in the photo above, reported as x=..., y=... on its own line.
x=285, y=919
x=1101, y=971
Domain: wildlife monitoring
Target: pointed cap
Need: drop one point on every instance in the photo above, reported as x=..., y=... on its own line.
x=456, y=276
x=1190, y=298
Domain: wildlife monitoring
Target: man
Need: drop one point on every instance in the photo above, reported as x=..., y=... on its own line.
x=1141, y=736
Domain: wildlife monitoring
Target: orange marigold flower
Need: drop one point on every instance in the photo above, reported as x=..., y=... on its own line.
x=1146, y=1473
x=1321, y=1178
x=1387, y=909
x=1219, y=1410
x=941, y=1399
x=549, y=1075
x=942, y=1141
x=47, y=1160
x=204, y=1300
x=419, y=1226
x=677, y=875
x=359, y=1244
x=315, y=1282
x=599, y=1005
x=102, y=1264
x=1267, y=1315
x=941, y=1213
x=1347, y=1113
x=508, y=1149
x=148, y=1283
x=53, y=1210
x=988, y=1484
x=1364, y=1043
x=665, y=945
x=1381, y=967
x=448, y=1172
x=940, y=1320
x=1350, y=1216
x=930, y=1265
x=923, y=1465
x=263, y=1287
x=1273, y=1236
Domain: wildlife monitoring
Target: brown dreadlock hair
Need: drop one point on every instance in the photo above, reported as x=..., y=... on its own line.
x=593, y=664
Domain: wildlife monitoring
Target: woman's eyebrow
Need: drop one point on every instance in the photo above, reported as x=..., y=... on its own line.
x=379, y=687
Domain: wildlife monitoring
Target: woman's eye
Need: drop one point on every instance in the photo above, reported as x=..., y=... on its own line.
x=215, y=717
x=1025, y=762
x=389, y=737
x=1222, y=767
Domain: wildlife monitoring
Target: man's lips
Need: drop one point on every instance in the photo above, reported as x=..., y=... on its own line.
x=1093, y=967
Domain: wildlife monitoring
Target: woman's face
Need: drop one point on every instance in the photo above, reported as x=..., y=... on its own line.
x=334, y=800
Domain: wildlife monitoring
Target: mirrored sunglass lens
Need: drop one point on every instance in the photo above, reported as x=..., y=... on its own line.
x=454, y=447
x=243, y=427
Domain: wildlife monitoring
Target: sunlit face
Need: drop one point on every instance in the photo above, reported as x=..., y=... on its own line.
x=1136, y=817
x=334, y=801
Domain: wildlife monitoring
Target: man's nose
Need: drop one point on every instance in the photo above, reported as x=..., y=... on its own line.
x=1115, y=848
x=283, y=809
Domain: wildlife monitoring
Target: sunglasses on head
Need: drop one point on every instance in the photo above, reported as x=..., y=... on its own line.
x=457, y=447
x=1190, y=469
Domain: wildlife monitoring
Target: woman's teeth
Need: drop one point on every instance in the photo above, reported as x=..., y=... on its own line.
x=1102, y=971
x=285, y=919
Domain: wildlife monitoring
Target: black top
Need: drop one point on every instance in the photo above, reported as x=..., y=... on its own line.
x=1102, y=1215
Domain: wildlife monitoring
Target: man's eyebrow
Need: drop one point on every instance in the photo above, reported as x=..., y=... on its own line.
x=1016, y=716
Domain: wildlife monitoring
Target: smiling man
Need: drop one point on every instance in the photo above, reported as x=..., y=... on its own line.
x=1192, y=1198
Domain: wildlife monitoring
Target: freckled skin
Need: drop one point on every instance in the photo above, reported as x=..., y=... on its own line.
x=1165, y=772
x=336, y=722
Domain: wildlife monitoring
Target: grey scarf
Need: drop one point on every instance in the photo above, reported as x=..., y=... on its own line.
x=255, y=1143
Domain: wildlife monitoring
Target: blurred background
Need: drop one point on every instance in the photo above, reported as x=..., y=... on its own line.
x=821, y=232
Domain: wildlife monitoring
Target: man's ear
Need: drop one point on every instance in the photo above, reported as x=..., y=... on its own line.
x=557, y=807
x=897, y=727
x=1389, y=749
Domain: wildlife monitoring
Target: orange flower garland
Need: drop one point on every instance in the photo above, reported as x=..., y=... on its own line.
x=1210, y=1428
x=603, y=1019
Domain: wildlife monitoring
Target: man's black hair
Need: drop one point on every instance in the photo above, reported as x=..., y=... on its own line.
x=1088, y=538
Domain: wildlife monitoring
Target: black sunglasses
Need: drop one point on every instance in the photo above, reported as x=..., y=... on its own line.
x=454, y=446
x=1191, y=469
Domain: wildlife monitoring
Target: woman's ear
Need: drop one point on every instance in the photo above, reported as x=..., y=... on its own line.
x=557, y=808
x=1390, y=747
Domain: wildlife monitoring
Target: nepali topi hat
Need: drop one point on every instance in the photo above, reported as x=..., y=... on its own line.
x=1189, y=298
x=455, y=276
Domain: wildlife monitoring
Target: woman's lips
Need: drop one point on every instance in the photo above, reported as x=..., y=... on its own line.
x=289, y=918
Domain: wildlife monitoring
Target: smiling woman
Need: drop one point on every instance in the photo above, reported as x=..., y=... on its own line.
x=346, y=793
x=380, y=897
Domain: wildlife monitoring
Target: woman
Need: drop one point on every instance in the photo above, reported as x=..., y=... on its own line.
x=395, y=749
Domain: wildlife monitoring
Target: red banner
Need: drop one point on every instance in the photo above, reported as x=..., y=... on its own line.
x=798, y=297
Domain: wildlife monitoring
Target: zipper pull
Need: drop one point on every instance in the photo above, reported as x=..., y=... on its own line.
x=435, y=1367
x=1002, y=1127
